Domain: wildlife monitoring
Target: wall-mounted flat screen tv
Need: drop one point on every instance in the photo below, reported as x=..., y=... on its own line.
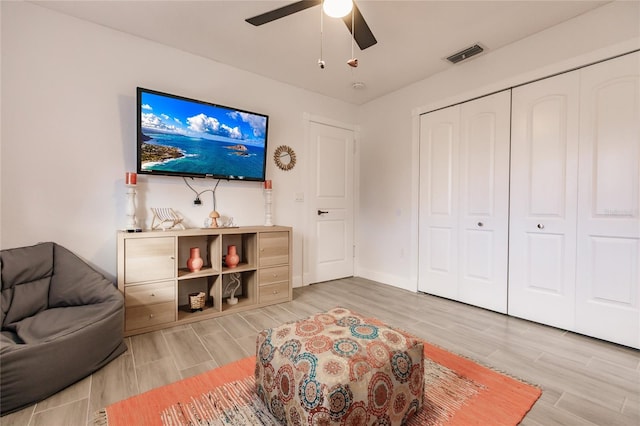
x=178, y=136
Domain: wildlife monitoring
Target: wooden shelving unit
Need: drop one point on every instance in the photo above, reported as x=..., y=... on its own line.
x=156, y=283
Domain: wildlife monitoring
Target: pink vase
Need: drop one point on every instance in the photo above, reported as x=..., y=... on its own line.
x=232, y=258
x=195, y=262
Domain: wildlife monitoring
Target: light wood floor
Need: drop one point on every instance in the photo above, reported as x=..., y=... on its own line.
x=585, y=381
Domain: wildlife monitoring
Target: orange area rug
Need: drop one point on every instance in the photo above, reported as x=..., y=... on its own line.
x=457, y=392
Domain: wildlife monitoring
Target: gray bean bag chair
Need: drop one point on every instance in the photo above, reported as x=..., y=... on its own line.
x=61, y=321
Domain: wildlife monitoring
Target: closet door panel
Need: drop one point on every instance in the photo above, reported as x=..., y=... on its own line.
x=546, y=144
x=438, y=229
x=545, y=266
x=484, y=202
x=608, y=295
x=543, y=200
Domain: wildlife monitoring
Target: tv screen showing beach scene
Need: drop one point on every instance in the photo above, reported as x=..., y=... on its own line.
x=186, y=137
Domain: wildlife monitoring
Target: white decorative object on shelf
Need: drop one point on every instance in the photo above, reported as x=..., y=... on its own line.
x=232, y=287
x=130, y=181
x=267, y=208
x=226, y=222
x=165, y=218
x=131, y=208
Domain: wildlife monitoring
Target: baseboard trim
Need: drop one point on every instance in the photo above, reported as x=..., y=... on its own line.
x=389, y=279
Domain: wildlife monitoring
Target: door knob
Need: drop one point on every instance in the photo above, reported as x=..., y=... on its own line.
x=321, y=212
x=540, y=226
x=480, y=224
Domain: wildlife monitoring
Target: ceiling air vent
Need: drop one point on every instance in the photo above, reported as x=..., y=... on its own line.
x=465, y=54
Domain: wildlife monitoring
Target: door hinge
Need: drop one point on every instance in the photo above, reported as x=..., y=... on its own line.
x=354, y=250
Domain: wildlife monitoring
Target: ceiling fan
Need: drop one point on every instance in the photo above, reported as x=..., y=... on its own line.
x=362, y=35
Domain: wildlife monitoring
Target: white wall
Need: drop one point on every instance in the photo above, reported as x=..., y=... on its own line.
x=69, y=136
x=68, y=131
x=388, y=225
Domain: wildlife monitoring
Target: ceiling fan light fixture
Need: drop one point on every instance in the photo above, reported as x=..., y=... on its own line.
x=337, y=8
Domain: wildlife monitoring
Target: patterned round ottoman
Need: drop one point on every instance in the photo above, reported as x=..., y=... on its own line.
x=339, y=368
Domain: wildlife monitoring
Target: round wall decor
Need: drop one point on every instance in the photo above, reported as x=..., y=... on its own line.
x=285, y=157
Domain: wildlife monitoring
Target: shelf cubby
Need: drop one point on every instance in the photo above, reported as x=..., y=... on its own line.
x=246, y=248
x=206, y=284
x=209, y=246
x=246, y=294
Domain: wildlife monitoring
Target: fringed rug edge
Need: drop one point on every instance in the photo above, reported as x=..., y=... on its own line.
x=100, y=418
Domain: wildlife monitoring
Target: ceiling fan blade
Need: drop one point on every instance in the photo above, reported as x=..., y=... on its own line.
x=283, y=11
x=363, y=35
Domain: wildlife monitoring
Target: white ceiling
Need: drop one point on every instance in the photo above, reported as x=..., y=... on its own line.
x=413, y=37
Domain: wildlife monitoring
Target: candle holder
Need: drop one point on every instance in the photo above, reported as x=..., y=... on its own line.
x=267, y=208
x=132, y=223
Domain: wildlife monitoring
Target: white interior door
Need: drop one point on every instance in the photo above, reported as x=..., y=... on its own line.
x=484, y=201
x=438, y=226
x=330, y=244
x=542, y=241
x=607, y=293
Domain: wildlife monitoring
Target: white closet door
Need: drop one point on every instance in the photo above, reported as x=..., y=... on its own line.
x=438, y=228
x=607, y=292
x=484, y=201
x=542, y=241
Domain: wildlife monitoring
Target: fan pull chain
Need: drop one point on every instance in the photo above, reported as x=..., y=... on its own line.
x=353, y=62
x=353, y=31
x=321, y=63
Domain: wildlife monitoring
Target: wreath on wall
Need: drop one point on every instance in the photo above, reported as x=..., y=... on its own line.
x=284, y=157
